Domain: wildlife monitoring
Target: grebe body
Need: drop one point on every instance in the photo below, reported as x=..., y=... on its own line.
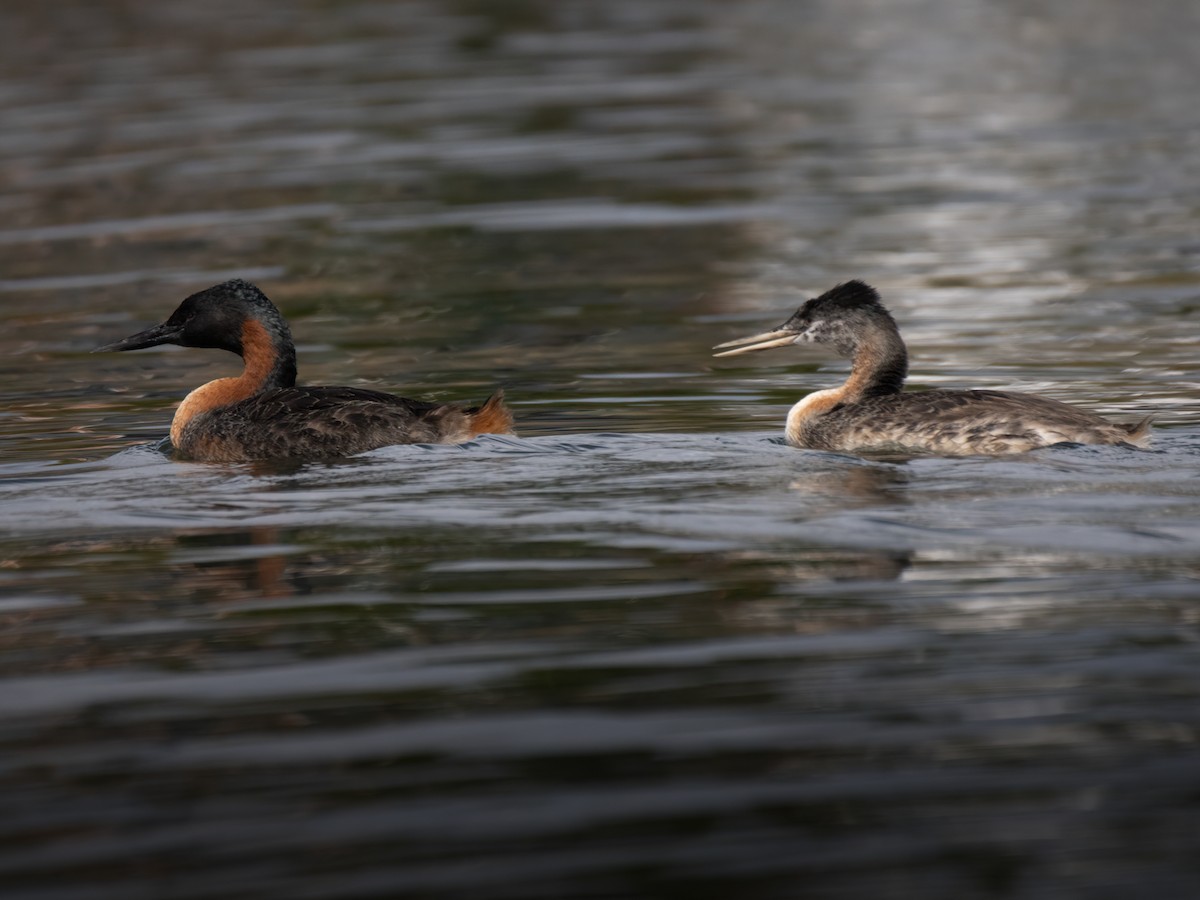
x=871, y=410
x=262, y=413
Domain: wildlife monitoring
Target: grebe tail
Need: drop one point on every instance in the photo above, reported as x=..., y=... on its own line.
x=871, y=410
x=263, y=414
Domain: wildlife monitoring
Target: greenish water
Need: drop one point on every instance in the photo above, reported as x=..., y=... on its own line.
x=643, y=648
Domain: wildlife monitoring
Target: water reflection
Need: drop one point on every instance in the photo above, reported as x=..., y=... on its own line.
x=852, y=485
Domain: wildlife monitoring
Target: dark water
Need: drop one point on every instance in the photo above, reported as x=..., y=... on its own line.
x=643, y=649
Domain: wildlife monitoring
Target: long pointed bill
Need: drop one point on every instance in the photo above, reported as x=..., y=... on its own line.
x=768, y=340
x=151, y=337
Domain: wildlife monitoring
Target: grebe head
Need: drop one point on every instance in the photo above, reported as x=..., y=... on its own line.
x=838, y=319
x=215, y=317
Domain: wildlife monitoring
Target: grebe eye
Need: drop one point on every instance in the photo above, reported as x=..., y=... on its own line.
x=817, y=331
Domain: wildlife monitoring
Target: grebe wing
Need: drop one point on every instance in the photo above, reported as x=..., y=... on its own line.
x=1008, y=405
x=491, y=417
x=954, y=406
x=321, y=422
x=983, y=421
x=307, y=400
x=1081, y=425
x=373, y=416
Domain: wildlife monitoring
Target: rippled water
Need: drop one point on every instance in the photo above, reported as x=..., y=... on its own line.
x=644, y=648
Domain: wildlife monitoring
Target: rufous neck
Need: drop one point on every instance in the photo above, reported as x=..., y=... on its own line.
x=270, y=359
x=879, y=368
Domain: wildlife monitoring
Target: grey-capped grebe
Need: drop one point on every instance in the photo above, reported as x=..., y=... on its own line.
x=262, y=414
x=871, y=411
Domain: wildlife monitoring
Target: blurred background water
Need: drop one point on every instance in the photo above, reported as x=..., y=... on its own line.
x=643, y=649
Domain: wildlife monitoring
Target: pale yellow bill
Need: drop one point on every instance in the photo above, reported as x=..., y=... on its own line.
x=765, y=341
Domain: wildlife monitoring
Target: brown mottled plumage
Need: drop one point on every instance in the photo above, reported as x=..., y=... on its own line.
x=262, y=414
x=871, y=410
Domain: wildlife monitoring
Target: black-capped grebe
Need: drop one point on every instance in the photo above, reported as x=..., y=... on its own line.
x=262, y=414
x=871, y=411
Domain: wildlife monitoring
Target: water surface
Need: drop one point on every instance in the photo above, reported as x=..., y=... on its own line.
x=643, y=648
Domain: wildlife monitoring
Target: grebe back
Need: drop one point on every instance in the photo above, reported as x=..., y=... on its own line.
x=263, y=414
x=871, y=411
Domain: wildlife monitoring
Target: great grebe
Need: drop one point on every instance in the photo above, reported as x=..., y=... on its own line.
x=871, y=411
x=262, y=414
